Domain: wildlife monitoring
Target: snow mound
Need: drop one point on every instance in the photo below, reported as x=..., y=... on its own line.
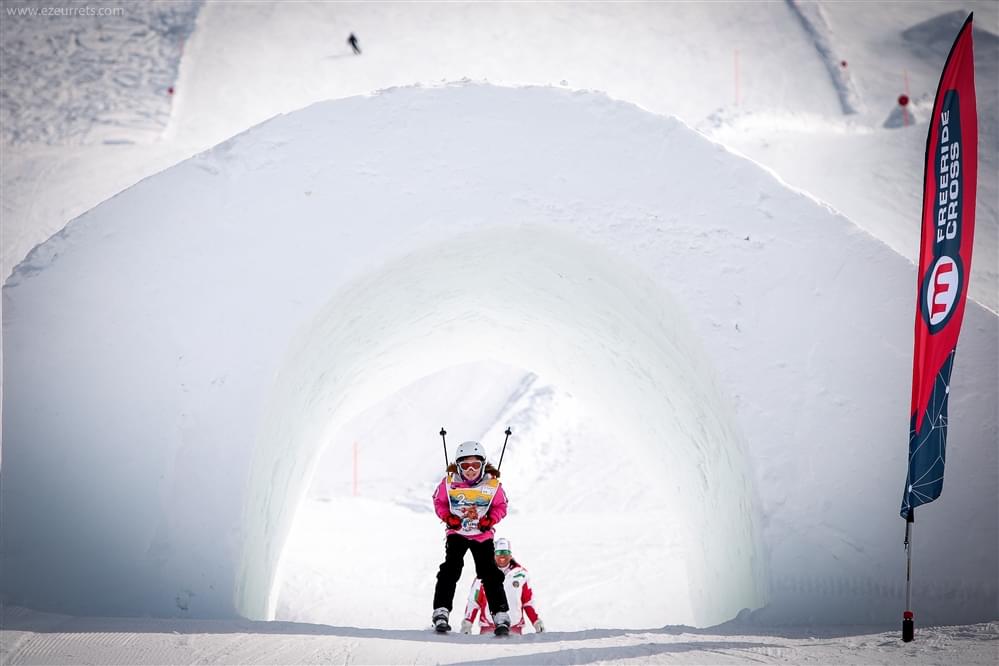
x=936, y=35
x=177, y=359
x=904, y=116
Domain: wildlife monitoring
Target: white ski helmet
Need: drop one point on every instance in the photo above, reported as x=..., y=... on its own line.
x=502, y=544
x=470, y=449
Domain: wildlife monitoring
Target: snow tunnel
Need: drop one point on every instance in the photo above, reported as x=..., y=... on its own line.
x=176, y=359
x=538, y=299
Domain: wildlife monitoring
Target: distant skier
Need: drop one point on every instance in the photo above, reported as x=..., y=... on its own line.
x=470, y=503
x=352, y=40
x=519, y=595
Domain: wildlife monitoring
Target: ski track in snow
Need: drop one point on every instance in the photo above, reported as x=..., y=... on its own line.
x=817, y=27
x=37, y=638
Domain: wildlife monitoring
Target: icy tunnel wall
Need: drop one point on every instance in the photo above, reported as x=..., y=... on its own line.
x=163, y=350
x=536, y=299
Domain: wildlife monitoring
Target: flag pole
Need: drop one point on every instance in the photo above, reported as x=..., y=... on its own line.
x=908, y=626
x=950, y=182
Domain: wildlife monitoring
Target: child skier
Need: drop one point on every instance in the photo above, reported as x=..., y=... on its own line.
x=519, y=595
x=470, y=501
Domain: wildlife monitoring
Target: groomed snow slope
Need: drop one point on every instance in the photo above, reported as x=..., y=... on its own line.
x=177, y=358
x=41, y=638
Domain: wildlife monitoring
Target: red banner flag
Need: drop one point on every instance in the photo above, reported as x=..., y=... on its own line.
x=948, y=229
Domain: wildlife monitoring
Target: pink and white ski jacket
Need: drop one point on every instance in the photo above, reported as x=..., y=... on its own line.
x=519, y=596
x=486, y=497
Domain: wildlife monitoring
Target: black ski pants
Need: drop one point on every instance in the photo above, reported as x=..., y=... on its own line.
x=485, y=569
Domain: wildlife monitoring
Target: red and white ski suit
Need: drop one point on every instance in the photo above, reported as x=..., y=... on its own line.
x=519, y=596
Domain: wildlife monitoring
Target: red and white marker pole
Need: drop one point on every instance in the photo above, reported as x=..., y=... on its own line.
x=903, y=101
x=355, y=469
x=735, y=62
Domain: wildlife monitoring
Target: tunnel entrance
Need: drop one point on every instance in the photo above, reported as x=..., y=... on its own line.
x=587, y=326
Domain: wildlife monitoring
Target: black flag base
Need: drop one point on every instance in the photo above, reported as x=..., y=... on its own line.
x=908, y=627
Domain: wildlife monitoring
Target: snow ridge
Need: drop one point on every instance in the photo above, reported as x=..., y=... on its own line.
x=814, y=21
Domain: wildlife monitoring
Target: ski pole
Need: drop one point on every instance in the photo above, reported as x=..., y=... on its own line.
x=508, y=433
x=908, y=624
x=443, y=433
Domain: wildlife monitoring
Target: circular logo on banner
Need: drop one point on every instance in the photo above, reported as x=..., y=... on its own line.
x=940, y=292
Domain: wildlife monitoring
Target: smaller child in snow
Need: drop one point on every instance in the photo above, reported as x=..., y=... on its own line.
x=520, y=596
x=470, y=501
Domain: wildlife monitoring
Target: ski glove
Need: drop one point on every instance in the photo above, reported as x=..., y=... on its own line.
x=485, y=522
x=539, y=626
x=466, y=627
x=453, y=521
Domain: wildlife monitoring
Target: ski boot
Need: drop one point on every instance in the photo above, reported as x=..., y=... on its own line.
x=440, y=620
x=502, y=623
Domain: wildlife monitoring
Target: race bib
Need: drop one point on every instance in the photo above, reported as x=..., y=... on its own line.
x=472, y=503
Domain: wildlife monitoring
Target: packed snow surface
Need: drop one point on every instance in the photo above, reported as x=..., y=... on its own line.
x=68, y=640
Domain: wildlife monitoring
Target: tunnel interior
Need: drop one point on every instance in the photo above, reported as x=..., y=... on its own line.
x=530, y=298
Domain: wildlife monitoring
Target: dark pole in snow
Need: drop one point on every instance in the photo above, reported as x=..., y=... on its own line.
x=508, y=433
x=443, y=433
x=908, y=627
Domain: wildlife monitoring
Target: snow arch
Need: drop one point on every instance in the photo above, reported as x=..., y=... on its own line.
x=539, y=299
x=149, y=348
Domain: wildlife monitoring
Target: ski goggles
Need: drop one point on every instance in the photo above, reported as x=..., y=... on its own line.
x=503, y=553
x=470, y=465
